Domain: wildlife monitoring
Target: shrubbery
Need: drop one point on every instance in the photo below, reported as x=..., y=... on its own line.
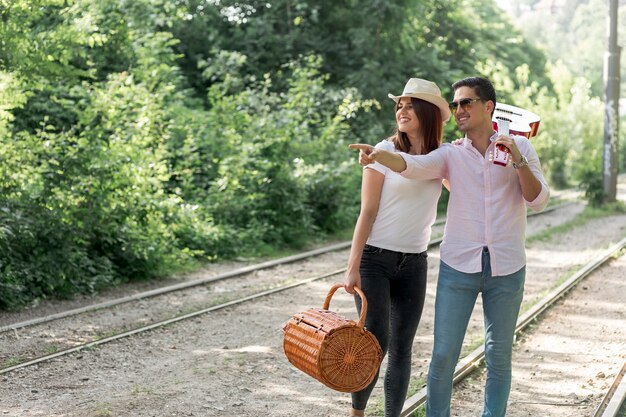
x=132, y=177
x=140, y=138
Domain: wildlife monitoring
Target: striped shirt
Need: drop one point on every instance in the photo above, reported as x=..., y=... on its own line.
x=486, y=206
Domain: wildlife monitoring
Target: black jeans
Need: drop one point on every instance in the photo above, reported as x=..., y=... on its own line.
x=394, y=284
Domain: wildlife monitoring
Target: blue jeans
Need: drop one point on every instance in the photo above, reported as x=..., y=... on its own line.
x=456, y=296
x=394, y=284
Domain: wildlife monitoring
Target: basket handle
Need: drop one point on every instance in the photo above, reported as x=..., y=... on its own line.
x=334, y=288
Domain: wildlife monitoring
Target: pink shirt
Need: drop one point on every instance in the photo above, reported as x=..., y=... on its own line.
x=486, y=206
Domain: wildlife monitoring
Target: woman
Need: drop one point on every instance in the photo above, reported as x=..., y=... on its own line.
x=388, y=256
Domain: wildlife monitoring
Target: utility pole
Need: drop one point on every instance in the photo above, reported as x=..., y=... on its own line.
x=611, y=103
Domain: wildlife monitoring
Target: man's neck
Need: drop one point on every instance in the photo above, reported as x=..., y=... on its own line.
x=480, y=138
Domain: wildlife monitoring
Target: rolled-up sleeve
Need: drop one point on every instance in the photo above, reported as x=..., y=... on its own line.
x=541, y=201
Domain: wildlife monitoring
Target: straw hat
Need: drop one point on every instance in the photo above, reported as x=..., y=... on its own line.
x=427, y=91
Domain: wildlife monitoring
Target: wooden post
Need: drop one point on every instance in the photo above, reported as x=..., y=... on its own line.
x=611, y=103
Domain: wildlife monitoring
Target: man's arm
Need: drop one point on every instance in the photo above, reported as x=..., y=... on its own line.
x=369, y=154
x=429, y=166
x=531, y=187
x=534, y=186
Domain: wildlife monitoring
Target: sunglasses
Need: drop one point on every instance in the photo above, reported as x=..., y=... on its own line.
x=465, y=104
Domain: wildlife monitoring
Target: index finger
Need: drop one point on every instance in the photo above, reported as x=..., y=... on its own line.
x=360, y=146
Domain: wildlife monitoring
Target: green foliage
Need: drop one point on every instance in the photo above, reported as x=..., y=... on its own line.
x=83, y=187
x=273, y=169
x=143, y=137
x=574, y=32
x=569, y=142
x=373, y=46
x=113, y=171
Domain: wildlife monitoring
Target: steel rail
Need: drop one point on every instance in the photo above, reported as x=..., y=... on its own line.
x=166, y=322
x=472, y=361
x=203, y=281
x=176, y=287
x=614, y=398
x=463, y=368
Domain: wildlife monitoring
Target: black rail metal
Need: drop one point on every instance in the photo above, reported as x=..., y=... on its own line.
x=613, y=401
x=472, y=361
x=203, y=281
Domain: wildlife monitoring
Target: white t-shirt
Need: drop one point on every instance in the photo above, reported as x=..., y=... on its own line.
x=407, y=210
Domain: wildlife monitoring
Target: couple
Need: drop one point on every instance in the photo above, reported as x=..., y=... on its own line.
x=482, y=249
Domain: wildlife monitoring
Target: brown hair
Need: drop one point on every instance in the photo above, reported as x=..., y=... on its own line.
x=431, y=126
x=481, y=86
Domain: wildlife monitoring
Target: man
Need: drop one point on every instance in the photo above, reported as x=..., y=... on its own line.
x=483, y=245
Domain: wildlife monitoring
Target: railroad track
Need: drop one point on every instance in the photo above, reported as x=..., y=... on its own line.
x=97, y=339
x=473, y=361
x=212, y=279
x=614, y=402
x=465, y=367
x=73, y=340
x=166, y=322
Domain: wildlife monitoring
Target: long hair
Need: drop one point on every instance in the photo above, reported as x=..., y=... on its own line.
x=430, y=124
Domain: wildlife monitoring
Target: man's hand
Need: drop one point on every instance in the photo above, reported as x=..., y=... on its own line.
x=510, y=144
x=367, y=153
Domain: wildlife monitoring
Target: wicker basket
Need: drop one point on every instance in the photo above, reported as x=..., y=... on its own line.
x=336, y=351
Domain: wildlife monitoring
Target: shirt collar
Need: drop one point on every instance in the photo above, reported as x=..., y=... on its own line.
x=467, y=142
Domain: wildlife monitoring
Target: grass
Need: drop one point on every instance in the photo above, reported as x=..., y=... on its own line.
x=420, y=412
x=268, y=252
x=103, y=411
x=106, y=334
x=377, y=409
x=588, y=214
x=376, y=406
x=527, y=304
x=52, y=349
x=12, y=361
x=415, y=384
x=141, y=390
x=476, y=340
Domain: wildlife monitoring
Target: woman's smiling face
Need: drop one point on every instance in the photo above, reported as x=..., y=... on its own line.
x=405, y=116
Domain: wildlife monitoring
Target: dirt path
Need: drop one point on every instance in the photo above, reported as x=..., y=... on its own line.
x=567, y=362
x=230, y=362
